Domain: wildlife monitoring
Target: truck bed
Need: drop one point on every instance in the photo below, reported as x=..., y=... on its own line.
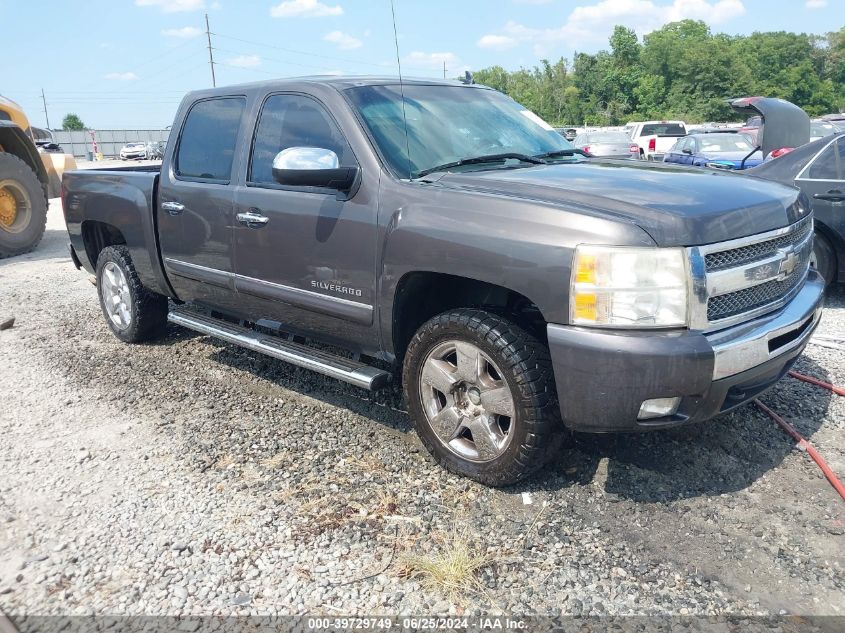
x=123, y=199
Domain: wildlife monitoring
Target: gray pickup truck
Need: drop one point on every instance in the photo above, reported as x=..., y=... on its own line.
x=519, y=288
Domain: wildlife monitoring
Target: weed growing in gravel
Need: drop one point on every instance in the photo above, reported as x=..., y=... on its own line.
x=452, y=569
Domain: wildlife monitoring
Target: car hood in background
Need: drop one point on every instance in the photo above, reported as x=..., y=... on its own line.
x=677, y=206
x=733, y=158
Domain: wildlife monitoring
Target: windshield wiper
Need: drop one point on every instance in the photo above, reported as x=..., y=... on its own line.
x=487, y=158
x=563, y=152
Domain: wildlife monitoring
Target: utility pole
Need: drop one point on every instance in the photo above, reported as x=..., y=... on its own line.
x=444, y=69
x=44, y=101
x=210, y=55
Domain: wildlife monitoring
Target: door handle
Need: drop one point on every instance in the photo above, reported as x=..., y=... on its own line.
x=173, y=208
x=831, y=196
x=253, y=219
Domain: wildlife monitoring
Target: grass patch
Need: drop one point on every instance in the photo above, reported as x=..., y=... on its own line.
x=452, y=569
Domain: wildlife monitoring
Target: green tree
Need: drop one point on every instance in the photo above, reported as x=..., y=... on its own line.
x=72, y=122
x=681, y=70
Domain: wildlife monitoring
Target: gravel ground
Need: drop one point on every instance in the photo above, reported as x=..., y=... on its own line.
x=192, y=477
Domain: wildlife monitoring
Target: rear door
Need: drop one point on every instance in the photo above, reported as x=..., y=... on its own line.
x=195, y=204
x=823, y=180
x=310, y=263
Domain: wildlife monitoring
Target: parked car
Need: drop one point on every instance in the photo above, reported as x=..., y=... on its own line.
x=818, y=169
x=820, y=129
x=752, y=128
x=133, y=151
x=155, y=150
x=721, y=151
x=569, y=133
x=440, y=233
x=44, y=141
x=771, y=120
x=654, y=138
x=609, y=144
x=712, y=130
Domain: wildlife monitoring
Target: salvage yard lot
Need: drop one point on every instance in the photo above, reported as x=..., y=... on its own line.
x=189, y=476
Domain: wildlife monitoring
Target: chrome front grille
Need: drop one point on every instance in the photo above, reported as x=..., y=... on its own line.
x=744, y=254
x=735, y=303
x=741, y=279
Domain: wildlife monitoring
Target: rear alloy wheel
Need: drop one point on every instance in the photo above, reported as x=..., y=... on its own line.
x=481, y=395
x=133, y=313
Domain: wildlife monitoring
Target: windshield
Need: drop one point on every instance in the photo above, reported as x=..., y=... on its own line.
x=449, y=123
x=135, y=145
x=818, y=128
x=725, y=143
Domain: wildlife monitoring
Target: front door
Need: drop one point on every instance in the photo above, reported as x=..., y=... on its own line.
x=309, y=260
x=196, y=204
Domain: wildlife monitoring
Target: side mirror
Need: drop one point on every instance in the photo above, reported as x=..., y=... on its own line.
x=312, y=167
x=687, y=150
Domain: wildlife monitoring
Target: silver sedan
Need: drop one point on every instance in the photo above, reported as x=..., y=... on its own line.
x=608, y=143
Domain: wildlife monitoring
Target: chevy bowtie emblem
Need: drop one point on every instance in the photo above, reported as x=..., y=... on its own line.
x=787, y=264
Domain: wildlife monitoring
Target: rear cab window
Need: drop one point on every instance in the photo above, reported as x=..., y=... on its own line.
x=663, y=129
x=206, y=148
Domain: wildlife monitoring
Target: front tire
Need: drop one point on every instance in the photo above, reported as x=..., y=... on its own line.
x=133, y=312
x=823, y=258
x=481, y=395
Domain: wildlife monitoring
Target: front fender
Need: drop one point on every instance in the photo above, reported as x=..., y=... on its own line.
x=520, y=245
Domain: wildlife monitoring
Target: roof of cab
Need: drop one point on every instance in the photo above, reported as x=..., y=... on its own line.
x=339, y=82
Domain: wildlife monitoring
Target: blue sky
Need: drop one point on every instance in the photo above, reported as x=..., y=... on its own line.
x=126, y=63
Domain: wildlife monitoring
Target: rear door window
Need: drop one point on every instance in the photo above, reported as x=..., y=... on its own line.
x=207, y=146
x=830, y=164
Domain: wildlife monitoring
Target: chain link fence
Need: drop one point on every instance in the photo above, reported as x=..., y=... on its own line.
x=109, y=142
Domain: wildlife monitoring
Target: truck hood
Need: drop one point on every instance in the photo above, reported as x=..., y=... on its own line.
x=676, y=206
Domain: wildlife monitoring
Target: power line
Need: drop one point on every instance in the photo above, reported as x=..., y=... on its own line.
x=328, y=57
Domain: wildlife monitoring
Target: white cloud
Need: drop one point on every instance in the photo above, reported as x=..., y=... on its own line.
x=121, y=76
x=244, y=61
x=593, y=24
x=172, y=6
x=496, y=42
x=343, y=40
x=186, y=32
x=304, y=9
x=815, y=4
x=433, y=62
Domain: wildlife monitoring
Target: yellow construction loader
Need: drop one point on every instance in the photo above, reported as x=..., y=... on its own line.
x=28, y=179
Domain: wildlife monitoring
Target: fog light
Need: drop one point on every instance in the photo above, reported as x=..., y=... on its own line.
x=658, y=408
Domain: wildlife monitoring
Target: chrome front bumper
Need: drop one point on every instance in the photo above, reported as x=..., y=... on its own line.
x=750, y=344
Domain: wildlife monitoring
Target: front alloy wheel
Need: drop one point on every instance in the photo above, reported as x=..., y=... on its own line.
x=481, y=395
x=466, y=402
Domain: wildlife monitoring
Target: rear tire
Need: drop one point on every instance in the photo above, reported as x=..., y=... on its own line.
x=824, y=258
x=133, y=312
x=23, y=207
x=481, y=395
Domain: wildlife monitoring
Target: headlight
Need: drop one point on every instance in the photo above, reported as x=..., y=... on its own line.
x=628, y=287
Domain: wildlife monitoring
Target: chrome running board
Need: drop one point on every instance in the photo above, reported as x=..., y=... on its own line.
x=331, y=365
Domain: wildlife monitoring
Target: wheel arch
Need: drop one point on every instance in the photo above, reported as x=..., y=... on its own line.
x=420, y=295
x=98, y=235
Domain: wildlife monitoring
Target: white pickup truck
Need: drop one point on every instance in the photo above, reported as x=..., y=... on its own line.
x=655, y=137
